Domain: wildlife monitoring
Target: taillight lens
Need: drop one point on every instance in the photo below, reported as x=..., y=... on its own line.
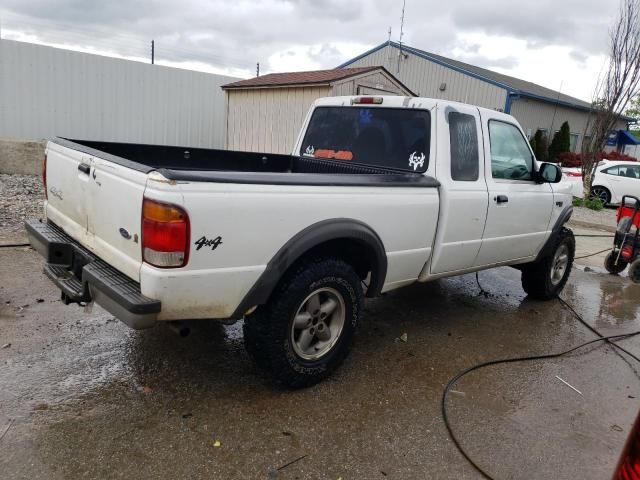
x=626, y=252
x=629, y=464
x=44, y=175
x=165, y=234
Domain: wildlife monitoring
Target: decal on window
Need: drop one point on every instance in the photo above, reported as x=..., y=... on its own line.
x=310, y=151
x=339, y=155
x=416, y=160
x=366, y=116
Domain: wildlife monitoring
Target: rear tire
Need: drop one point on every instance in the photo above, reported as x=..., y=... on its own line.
x=611, y=266
x=546, y=278
x=602, y=193
x=634, y=271
x=306, y=330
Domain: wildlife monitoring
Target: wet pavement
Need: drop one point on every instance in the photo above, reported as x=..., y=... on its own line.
x=83, y=396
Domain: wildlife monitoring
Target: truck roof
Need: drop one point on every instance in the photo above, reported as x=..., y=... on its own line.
x=396, y=101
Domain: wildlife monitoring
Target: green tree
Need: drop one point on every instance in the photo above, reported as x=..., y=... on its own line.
x=540, y=145
x=561, y=142
x=634, y=112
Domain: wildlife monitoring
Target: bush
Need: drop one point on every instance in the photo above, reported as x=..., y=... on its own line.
x=540, y=146
x=578, y=202
x=561, y=142
x=574, y=160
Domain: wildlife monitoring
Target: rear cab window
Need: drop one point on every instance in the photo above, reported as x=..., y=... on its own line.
x=397, y=138
x=463, y=136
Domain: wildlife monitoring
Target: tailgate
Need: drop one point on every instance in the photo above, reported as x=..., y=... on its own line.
x=98, y=203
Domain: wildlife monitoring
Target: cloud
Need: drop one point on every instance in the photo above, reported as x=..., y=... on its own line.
x=300, y=34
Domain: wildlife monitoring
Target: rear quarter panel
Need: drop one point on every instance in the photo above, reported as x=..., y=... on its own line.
x=255, y=221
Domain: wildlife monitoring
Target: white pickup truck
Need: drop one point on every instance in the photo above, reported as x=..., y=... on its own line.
x=379, y=193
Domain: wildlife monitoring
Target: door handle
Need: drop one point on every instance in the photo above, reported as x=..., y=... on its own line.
x=84, y=168
x=501, y=199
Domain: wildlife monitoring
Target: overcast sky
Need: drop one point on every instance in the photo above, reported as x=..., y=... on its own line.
x=543, y=41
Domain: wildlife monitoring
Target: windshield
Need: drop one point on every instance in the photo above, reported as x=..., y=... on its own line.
x=388, y=137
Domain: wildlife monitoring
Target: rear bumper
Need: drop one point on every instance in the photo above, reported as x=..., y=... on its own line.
x=83, y=277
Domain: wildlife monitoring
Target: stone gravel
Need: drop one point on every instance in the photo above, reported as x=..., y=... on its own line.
x=605, y=218
x=21, y=198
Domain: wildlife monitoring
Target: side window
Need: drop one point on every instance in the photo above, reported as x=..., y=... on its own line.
x=611, y=171
x=511, y=158
x=629, y=171
x=463, y=136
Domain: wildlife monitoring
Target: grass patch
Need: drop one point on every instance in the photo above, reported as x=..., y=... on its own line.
x=590, y=203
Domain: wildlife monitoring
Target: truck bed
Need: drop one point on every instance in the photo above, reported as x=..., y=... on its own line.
x=229, y=166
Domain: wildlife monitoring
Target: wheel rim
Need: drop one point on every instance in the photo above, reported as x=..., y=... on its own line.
x=602, y=194
x=559, y=264
x=318, y=323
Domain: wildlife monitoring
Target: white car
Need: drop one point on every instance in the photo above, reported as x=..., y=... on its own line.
x=612, y=180
x=379, y=193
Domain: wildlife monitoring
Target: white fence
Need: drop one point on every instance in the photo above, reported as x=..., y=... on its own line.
x=47, y=92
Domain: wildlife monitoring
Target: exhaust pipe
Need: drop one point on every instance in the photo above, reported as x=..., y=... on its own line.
x=179, y=328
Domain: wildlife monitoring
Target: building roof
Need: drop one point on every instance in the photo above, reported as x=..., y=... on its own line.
x=514, y=85
x=315, y=77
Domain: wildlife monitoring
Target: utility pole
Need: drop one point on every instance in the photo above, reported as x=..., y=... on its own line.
x=401, y=34
x=153, y=52
x=258, y=69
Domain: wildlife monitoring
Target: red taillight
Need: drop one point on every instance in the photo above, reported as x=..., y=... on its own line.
x=165, y=234
x=44, y=175
x=367, y=100
x=626, y=252
x=573, y=174
x=629, y=464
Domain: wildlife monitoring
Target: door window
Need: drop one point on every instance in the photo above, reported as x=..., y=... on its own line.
x=463, y=136
x=511, y=158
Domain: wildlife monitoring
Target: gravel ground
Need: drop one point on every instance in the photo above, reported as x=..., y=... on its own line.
x=605, y=217
x=20, y=199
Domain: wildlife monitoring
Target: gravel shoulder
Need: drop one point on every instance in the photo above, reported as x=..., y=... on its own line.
x=21, y=198
x=604, y=219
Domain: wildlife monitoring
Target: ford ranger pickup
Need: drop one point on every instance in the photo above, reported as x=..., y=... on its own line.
x=378, y=193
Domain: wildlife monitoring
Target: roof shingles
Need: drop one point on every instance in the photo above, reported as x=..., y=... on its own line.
x=299, y=78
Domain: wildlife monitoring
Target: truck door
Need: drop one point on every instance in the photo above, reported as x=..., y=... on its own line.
x=520, y=209
x=463, y=196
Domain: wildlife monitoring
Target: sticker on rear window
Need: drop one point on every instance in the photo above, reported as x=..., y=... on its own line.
x=339, y=155
x=310, y=151
x=416, y=160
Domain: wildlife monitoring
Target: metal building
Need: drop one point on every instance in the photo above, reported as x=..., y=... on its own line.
x=46, y=91
x=434, y=76
x=264, y=114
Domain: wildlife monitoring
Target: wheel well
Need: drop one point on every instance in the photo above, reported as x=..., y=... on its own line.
x=351, y=240
x=356, y=253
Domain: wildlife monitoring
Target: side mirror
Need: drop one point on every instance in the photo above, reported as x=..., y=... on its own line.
x=549, y=173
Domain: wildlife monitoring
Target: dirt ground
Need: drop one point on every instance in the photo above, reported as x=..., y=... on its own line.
x=83, y=396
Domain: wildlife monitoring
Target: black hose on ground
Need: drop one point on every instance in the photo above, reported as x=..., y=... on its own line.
x=456, y=378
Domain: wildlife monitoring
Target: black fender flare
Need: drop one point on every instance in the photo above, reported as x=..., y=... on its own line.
x=547, y=248
x=313, y=236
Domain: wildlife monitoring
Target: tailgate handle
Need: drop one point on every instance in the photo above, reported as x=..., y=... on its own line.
x=84, y=168
x=501, y=199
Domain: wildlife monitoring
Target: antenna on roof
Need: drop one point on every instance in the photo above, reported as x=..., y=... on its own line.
x=401, y=34
x=555, y=109
x=390, y=60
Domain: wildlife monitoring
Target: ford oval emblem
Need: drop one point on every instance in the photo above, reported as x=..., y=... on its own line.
x=125, y=233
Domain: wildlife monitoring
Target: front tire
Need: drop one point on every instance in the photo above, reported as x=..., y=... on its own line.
x=306, y=330
x=546, y=278
x=611, y=266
